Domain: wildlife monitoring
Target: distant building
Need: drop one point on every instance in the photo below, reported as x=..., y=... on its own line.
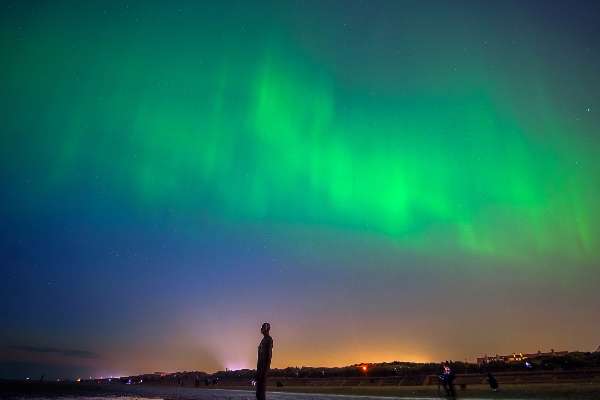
x=518, y=357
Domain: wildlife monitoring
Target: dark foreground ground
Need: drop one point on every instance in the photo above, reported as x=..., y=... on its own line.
x=17, y=390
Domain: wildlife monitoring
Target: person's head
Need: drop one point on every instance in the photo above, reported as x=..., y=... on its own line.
x=265, y=328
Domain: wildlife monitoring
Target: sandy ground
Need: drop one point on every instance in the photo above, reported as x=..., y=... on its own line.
x=584, y=391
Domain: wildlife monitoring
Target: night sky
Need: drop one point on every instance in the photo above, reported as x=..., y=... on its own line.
x=402, y=180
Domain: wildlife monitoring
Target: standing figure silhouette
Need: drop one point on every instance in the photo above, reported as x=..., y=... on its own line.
x=265, y=351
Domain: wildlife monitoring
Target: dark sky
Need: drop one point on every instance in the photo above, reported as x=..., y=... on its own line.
x=399, y=180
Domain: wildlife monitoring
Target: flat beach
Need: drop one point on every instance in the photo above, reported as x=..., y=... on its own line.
x=17, y=390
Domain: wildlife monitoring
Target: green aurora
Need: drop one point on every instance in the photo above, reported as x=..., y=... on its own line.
x=258, y=130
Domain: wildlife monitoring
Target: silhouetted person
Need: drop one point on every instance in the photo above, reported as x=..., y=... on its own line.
x=265, y=351
x=492, y=381
x=447, y=379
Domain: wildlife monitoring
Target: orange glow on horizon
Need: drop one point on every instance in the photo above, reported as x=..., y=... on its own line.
x=339, y=360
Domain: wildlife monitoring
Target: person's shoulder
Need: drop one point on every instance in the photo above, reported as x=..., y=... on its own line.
x=267, y=339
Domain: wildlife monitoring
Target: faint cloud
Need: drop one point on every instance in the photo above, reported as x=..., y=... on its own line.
x=63, y=352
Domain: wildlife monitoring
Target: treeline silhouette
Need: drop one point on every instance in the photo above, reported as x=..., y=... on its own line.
x=572, y=361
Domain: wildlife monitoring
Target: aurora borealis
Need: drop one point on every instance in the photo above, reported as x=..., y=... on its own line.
x=174, y=173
